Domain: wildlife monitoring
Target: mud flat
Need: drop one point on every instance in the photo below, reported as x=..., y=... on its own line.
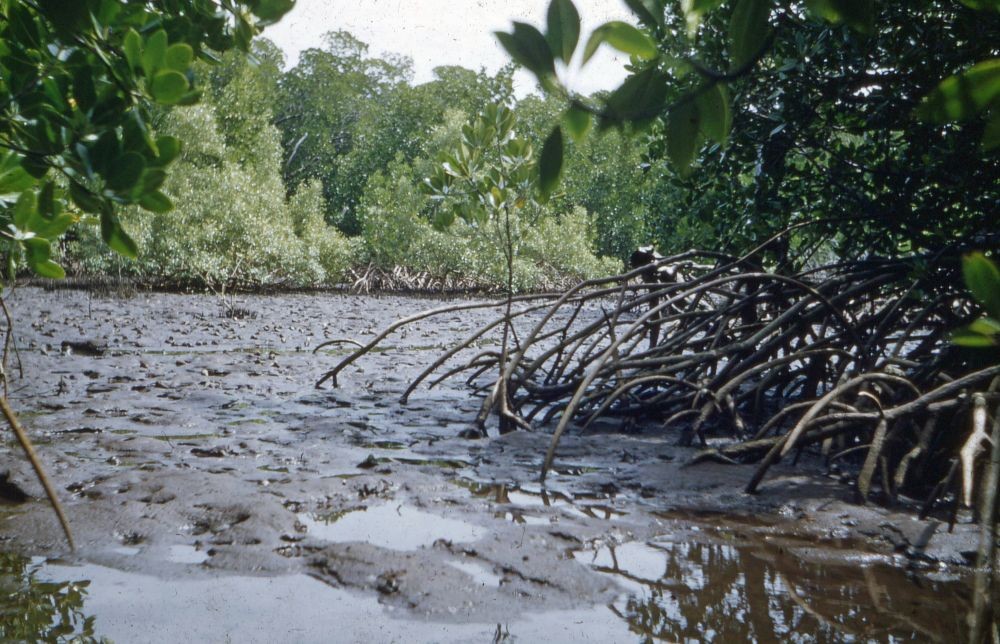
x=214, y=493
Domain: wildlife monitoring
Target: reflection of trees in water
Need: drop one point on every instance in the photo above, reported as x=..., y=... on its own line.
x=32, y=610
x=721, y=593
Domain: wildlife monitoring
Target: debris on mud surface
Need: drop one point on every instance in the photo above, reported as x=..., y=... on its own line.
x=192, y=450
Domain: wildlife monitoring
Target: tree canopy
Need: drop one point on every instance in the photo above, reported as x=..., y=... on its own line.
x=876, y=120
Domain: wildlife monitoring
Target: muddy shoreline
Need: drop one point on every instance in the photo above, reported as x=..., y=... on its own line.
x=191, y=446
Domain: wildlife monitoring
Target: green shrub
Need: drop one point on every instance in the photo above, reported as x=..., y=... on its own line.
x=232, y=222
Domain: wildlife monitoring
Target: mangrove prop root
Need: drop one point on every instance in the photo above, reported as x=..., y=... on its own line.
x=850, y=358
x=36, y=464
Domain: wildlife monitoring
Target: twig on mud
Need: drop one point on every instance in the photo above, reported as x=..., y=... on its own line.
x=36, y=464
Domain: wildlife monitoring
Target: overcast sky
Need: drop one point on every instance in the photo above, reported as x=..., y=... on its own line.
x=445, y=32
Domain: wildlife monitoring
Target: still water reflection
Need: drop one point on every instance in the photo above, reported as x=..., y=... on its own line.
x=35, y=610
x=719, y=592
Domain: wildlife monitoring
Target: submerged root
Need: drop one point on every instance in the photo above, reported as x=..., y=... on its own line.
x=850, y=360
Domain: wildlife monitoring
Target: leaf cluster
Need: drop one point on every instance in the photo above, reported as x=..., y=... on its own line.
x=77, y=80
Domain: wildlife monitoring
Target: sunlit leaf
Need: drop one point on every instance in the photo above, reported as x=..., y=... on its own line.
x=37, y=252
x=964, y=95
x=179, y=57
x=623, y=37
x=13, y=178
x=154, y=53
x=966, y=337
x=24, y=208
x=168, y=87
x=986, y=326
x=56, y=227
x=983, y=279
x=132, y=46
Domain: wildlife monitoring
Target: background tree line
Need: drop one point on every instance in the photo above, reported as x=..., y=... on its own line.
x=295, y=176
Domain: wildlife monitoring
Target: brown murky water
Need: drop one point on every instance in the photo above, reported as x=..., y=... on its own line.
x=216, y=496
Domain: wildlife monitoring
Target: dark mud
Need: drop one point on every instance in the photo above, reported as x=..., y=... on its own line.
x=215, y=494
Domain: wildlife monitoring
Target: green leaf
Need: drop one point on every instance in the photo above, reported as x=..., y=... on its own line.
x=563, y=28
x=132, y=45
x=152, y=179
x=528, y=47
x=115, y=236
x=169, y=148
x=156, y=202
x=991, y=133
x=25, y=207
x=154, y=53
x=982, y=5
x=55, y=228
x=714, y=113
x=650, y=12
x=640, y=99
x=13, y=178
x=682, y=136
x=85, y=200
x=986, y=326
x=748, y=31
x=695, y=10
x=623, y=37
x=964, y=95
x=179, y=57
x=577, y=121
x=37, y=252
x=272, y=10
x=125, y=172
x=168, y=87
x=550, y=163
x=443, y=218
x=983, y=279
x=859, y=15
x=106, y=149
x=965, y=337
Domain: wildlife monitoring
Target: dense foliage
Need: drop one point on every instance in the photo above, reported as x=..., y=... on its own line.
x=76, y=83
x=349, y=138
x=760, y=115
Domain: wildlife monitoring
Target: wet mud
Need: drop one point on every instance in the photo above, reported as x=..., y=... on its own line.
x=214, y=493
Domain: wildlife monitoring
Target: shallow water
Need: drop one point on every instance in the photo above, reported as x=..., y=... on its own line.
x=216, y=496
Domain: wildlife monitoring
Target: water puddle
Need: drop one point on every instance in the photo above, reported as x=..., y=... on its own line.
x=184, y=554
x=396, y=527
x=131, y=607
x=737, y=592
x=482, y=575
x=524, y=498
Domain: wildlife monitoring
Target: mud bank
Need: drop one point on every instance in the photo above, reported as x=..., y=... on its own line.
x=214, y=493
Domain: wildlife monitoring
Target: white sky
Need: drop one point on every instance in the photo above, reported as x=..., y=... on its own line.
x=447, y=32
